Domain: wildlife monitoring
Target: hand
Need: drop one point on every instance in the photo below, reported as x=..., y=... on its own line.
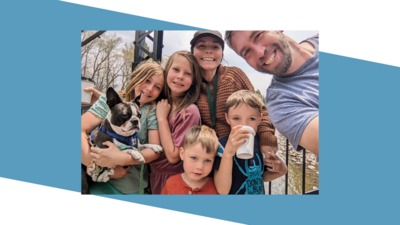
x=108, y=157
x=163, y=109
x=265, y=149
x=277, y=164
x=237, y=137
x=120, y=172
x=95, y=95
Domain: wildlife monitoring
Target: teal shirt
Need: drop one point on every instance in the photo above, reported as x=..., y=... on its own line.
x=130, y=183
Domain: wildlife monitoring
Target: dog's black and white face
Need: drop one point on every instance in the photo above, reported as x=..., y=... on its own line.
x=124, y=117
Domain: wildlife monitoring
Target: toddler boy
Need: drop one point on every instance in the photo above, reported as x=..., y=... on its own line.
x=198, y=152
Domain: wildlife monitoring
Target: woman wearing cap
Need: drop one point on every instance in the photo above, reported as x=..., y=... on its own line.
x=208, y=47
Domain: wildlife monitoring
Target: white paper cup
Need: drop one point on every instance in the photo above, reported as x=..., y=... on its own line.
x=86, y=96
x=246, y=150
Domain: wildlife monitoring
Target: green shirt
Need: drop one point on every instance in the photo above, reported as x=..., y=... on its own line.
x=130, y=183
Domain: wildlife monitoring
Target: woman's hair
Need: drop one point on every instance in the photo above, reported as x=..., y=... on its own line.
x=194, y=91
x=203, y=135
x=247, y=97
x=141, y=73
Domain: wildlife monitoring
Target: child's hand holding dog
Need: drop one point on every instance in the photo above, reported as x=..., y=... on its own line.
x=109, y=157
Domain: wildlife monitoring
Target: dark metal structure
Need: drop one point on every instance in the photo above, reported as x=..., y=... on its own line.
x=91, y=38
x=139, y=43
x=140, y=49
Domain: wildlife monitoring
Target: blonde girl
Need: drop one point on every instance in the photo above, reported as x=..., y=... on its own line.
x=147, y=81
x=176, y=115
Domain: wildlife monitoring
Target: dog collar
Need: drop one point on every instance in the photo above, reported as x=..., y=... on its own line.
x=130, y=140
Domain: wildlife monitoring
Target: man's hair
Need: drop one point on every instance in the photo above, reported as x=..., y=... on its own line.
x=203, y=135
x=247, y=97
x=228, y=37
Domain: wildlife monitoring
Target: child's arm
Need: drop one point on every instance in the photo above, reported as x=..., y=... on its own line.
x=89, y=121
x=172, y=140
x=149, y=154
x=223, y=176
x=113, y=156
x=279, y=167
x=170, y=150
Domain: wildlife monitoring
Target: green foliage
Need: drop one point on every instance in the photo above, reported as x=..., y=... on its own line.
x=261, y=96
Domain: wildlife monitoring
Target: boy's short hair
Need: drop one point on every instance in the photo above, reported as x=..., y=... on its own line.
x=203, y=135
x=247, y=97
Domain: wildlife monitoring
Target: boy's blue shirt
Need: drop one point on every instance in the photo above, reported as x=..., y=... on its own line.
x=247, y=174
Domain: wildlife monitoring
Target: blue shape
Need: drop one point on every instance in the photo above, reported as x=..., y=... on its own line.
x=41, y=52
x=253, y=173
x=40, y=114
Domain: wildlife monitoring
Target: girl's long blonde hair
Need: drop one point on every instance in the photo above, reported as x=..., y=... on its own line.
x=143, y=71
x=194, y=91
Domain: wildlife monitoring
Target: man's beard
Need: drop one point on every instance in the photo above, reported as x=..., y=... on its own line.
x=284, y=64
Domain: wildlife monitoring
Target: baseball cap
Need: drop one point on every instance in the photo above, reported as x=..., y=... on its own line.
x=202, y=33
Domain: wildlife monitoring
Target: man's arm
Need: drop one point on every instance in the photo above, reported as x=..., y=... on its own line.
x=310, y=137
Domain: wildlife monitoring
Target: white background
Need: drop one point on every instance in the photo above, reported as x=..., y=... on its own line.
x=365, y=30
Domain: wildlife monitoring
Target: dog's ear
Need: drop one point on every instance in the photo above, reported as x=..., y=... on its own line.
x=112, y=97
x=137, y=100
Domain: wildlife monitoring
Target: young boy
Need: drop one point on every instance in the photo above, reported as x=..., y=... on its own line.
x=244, y=176
x=198, y=151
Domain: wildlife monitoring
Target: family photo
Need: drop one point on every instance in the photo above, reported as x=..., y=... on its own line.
x=200, y=112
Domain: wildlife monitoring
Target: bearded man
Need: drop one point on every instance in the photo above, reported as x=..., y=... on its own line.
x=293, y=96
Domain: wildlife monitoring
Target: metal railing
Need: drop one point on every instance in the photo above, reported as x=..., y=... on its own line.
x=303, y=185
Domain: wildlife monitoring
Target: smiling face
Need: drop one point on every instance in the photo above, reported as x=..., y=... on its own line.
x=265, y=51
x=208, y=53
x=243, y=114
x=150, y=89
x=197, y=163
x=180, y=76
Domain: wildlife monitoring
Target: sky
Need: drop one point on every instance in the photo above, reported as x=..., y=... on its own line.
x=180, y=40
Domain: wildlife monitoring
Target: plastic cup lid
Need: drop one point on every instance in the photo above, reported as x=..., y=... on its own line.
x=249, y=129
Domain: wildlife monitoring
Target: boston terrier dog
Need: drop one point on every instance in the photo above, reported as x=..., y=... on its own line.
x=120, y=127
